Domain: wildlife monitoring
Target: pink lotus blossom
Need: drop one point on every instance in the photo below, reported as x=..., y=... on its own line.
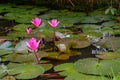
x=28, y=30
x=36, y=22
x=53, y=23
x=33, y=44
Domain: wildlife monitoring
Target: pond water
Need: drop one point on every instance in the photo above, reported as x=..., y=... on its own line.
x=90, y=48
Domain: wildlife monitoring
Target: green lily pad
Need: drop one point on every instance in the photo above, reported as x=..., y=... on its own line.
x=20, y=17
x=65, y=69
x=61, y=56
x=108, y=24
x=97, y=67
x=16, y=34
x=74, y=43
x=5, y=7
x=26, y=71
x=4, y=52
x=2, y=72
x=117, y=32
x=36, y=10
x=19, y=26
x=46, y=32
x=108, y=55
x=24, y=18
x=16, y=10
x=58, y=56
x=96, y=18
x=113, y=43
x=11, y=16
x=46, y=66
x=18, y=57
x=107, y=30
x=80, y=76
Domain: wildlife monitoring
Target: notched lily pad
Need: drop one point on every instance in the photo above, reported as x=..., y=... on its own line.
x=97, y=67
x=26, y=71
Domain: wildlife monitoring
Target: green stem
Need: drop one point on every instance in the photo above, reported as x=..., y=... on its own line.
x=54, y=38
x=36, y=58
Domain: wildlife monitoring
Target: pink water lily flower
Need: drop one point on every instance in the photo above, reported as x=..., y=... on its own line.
x=33, y=44
x=53, y=23
x=36, y=22
x=28, y=30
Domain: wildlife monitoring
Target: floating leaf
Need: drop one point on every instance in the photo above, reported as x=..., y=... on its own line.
x=113, y=43
x=58, y=56
x=2, y=72
x=108, y=24
x=24, y=18
x=107, y=30
x=96, y=18
x=62, y=56
x=16, y=34
x=80, y=76
x=18, y=57
x=20, y=17
x=26, y=71
x=4, y=52
x=47, y=66
x=74, y=43
x=108, y=55
x=5, y=7
x=97, y=67
x=19, y=26
x=65, y=69
x=21, y=47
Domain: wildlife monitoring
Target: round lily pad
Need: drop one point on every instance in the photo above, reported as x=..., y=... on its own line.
x=97, y=67
x=26, y=71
